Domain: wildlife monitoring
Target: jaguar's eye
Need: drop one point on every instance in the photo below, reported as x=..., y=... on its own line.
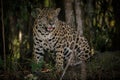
x=43, y=25
x=47, y=17
x=40, y=24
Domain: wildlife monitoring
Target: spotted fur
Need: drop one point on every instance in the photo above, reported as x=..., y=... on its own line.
x=51, y=34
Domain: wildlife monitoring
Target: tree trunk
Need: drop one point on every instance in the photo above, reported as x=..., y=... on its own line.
x=30, y=34
x=70, y=19
x=78, y=15
x=3, y=36
x=69, y=12
x=90, y=16
x=79, y=25
x=83, y=71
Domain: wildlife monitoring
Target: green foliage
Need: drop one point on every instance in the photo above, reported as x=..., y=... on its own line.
x=103, y=22
x=99, y=23
x=12, y=63
x=49, y=3
x=24, y=13
x=37, y=66
x=46, y=3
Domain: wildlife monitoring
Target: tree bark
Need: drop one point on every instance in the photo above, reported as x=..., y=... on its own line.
x=68, y=12
x=75, y=19
x=78, y=15
x=90, y=16
x=79, y=25
x=83, y=70
x=3, y=36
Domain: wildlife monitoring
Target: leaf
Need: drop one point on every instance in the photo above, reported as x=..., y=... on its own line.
x=37, y=66
x=46, y=3
x=112, y=23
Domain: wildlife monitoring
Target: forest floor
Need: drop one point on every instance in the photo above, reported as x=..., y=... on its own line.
x=102, y=66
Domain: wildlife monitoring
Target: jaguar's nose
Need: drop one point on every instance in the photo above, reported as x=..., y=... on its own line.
x=51, y=23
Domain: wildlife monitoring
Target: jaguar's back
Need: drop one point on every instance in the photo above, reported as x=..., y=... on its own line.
x=49, y=33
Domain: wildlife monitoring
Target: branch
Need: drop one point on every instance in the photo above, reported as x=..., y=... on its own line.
x=66, y=67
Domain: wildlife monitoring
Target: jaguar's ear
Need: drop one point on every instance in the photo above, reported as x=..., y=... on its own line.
x=35, y=12
x=57, y=11
x=38, y=10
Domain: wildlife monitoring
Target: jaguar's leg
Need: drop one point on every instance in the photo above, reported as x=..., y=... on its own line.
x=38, y=54
x=59, y=59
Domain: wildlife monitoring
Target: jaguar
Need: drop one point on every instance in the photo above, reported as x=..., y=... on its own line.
x=52, y=34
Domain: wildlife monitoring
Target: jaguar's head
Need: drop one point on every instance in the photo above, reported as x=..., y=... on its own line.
x=47, y=19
